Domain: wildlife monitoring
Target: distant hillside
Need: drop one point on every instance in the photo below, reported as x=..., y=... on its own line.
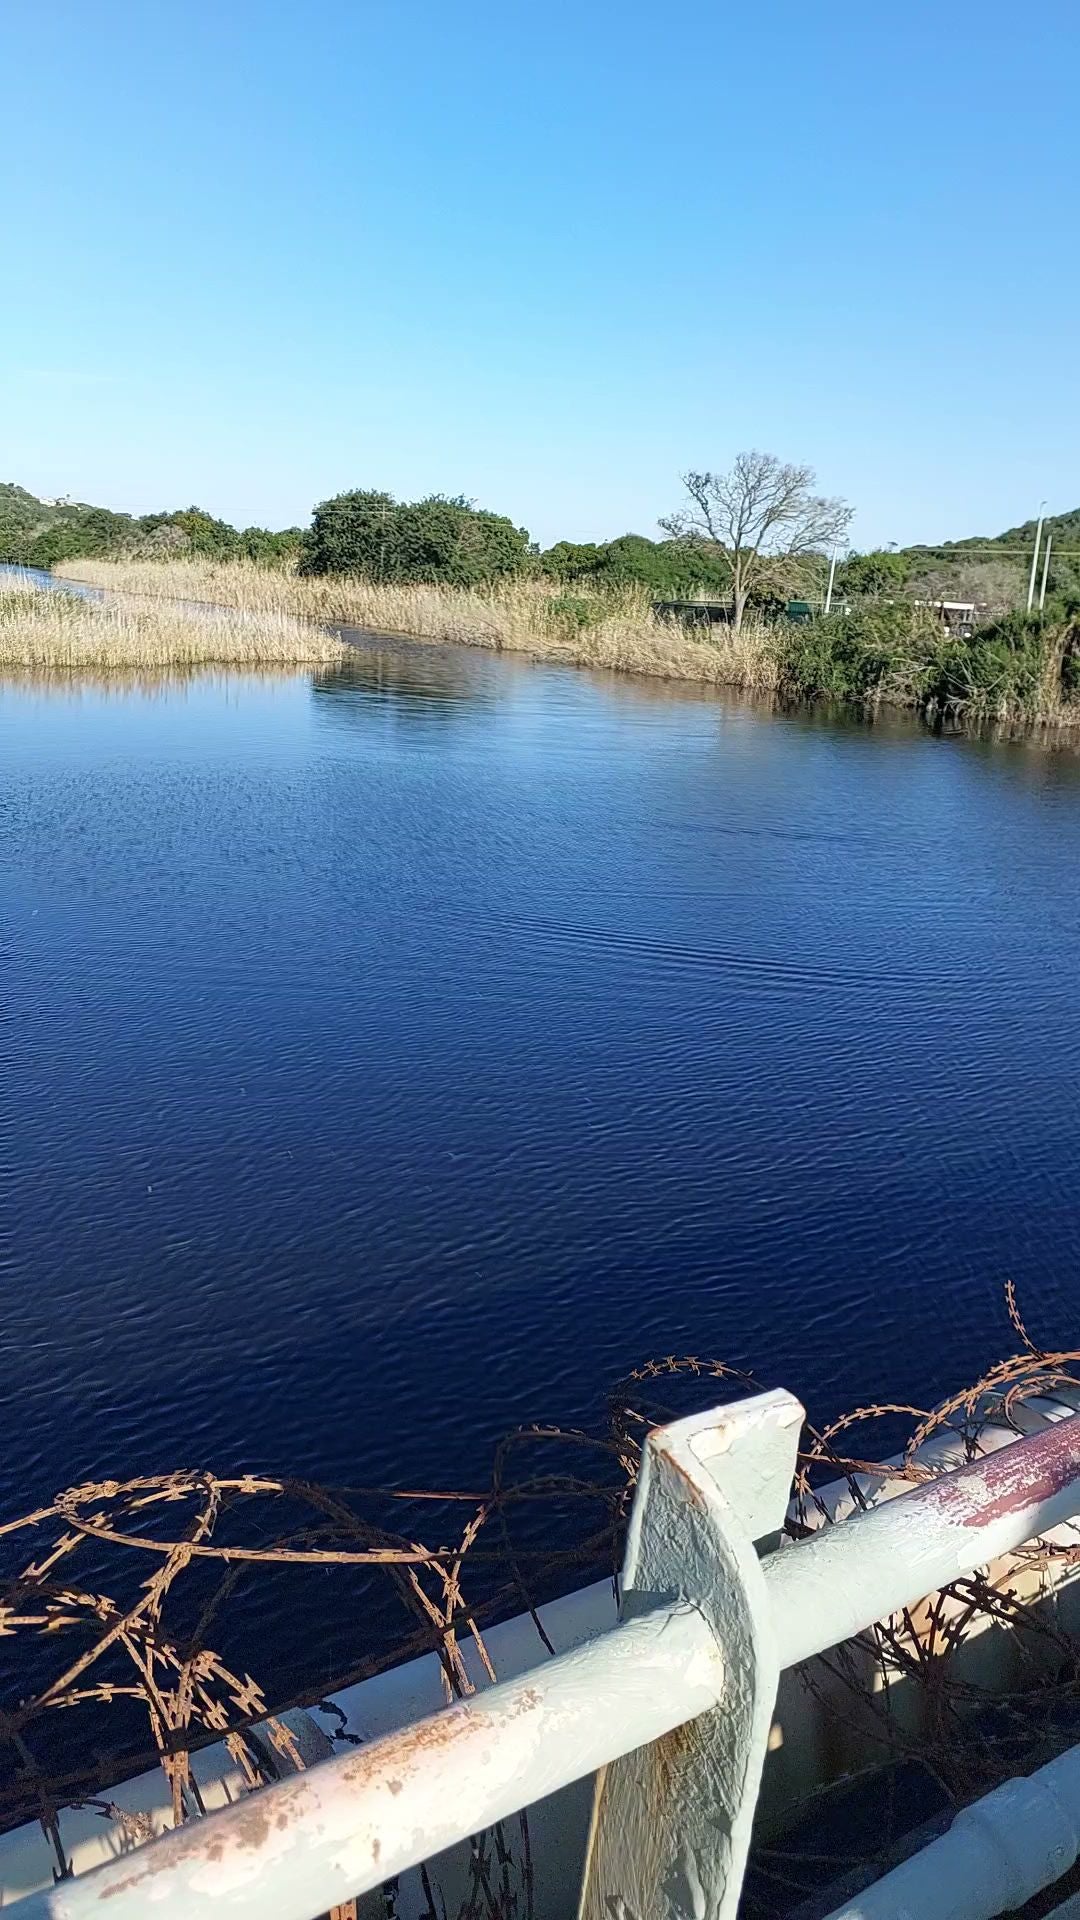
x=1065, y=528
x=22, y=515
x=991, y=570
x=38, y=533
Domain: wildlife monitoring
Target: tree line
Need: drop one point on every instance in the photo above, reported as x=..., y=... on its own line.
x=754, y=535
x=41, y=533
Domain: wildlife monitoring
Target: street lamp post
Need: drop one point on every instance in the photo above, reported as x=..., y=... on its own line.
x=832, y=577
x=1035, y=556
x=1046, y=570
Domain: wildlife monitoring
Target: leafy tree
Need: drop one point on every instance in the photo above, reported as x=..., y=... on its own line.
x=353, y=533
x=436, y=539
x=50, y=545
x=571, y=560
x=22, y=518
x=760, y=518
x=270, y=549
x=43, y=532
x=215, y=538
x=667, y=568
x=456, y=542
x=870, y=576
x=157, y=537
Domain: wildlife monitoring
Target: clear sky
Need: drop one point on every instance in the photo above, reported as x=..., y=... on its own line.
x=547, y=256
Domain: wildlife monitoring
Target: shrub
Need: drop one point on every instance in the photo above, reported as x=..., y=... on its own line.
x=879, y=650
x=576, y=611
x=270, y=549
x=668, y=568
x=1001, y=669
x=1021, y=667
x=436, y=540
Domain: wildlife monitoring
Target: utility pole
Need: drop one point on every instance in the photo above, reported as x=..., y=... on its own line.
x=1046, y=569
x=832, y=577
x=1035, y=557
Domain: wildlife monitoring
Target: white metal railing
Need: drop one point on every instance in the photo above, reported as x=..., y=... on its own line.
x=672, y=1706
x=996, y=1855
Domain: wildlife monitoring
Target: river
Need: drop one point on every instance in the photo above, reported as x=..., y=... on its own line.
x=396, y=1055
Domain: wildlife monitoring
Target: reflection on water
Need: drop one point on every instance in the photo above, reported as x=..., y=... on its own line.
x=403, y=1051
x=149, y=683
x=404, y=673
x=38, y=577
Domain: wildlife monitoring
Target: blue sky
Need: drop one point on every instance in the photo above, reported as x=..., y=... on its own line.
x=545, y=256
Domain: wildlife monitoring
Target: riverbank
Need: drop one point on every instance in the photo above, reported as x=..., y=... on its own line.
x=45, y=630
x=1020, y=672
x=583, y=628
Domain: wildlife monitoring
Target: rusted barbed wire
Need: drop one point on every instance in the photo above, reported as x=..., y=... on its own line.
x=135, y=1581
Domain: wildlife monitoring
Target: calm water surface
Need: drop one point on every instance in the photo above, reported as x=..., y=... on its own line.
x=394, y=1056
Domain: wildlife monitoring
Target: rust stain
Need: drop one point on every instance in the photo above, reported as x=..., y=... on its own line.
x=692, y=1491
x=1019, y=1476
x=666, y=1760
x=439, y=1730
x=121, y=1886
x=249, y=1824
x=245, y=1825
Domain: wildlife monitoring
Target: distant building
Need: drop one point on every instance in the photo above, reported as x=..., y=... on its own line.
x=957, y=615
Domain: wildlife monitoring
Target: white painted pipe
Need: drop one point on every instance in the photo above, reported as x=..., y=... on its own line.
x=1068, y=1910
x=319, y=1838
x=995, y=1857
x=390, y=1700
x=837, y=1583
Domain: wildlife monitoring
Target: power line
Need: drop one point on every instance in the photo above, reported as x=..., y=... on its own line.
x=955, y=552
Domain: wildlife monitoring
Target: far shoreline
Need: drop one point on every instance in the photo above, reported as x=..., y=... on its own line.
x=616, y=633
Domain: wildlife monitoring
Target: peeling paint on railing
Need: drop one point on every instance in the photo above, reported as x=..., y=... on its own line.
x=1013, y=1480
x=314, y=1839
x=317, y=1838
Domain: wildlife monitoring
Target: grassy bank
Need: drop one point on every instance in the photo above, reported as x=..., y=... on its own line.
x=578, y=627
x=1019, y=671
x=41, y=630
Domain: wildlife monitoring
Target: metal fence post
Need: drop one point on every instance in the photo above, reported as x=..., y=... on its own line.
x=671, y=1821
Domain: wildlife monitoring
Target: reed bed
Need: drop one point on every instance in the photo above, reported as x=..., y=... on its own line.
x=576, y=627
x=1019, y=673
x=42, y=630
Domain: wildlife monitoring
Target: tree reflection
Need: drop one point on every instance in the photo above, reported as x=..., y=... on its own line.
x=414, y=682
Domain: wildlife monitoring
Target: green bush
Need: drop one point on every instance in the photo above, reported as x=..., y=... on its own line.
x=213, y=538
x=667, y=568
x=881, y=649
x=55, y=543
x=1014, y=668
x=1002, y=669
x=870, y=575
x=267, y=548
x=436, y=539
x=575, y=611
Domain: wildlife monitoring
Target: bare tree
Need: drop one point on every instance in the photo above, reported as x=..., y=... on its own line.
x=761, y=517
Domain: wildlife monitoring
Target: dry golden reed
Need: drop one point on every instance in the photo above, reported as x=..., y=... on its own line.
x=41, y=629
x=575, y=627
